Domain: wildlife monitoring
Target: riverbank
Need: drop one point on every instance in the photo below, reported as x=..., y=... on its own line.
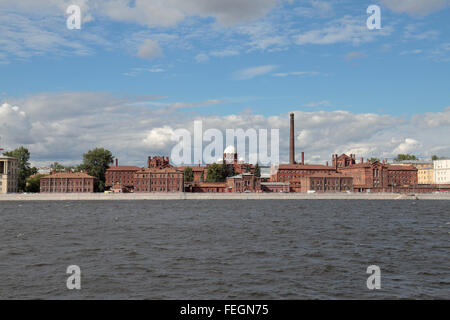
x=218, y=196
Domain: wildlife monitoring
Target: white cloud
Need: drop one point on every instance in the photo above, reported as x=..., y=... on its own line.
x=202, y=58
x=323, y=103
x=296, y=73
x=150, y=49
x=347, y=29
x=158, y=138
x=14, y=125
x=416, y=7
x=253, y=72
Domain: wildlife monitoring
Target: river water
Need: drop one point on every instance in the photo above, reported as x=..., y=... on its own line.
x=301, y=249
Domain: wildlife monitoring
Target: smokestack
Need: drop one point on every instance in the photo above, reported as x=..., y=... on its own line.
x=292, y=141
x=303, y=158
x=362, y=160
x=117, y=162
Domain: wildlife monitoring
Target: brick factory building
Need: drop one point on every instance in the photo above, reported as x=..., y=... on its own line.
x=159, y=180
x=332, y=182
x=274, y=187
x=158, y=163
x=376, y=176
x=67, y=182
x=402, y=176
x=120, y=178
x=246, y=182
x=208, y=187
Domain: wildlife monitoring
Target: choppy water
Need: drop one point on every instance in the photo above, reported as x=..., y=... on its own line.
x=225, y=249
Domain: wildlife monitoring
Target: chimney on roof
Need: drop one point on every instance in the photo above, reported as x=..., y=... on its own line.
x=362, y=160
x=327, y=163
x=117, y=162
x=292, y=141
x=303, y=158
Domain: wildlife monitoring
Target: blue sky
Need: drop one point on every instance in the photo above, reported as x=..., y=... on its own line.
x=219, y=59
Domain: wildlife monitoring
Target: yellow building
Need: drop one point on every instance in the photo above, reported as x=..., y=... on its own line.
x=425, y=175
x=8, y=174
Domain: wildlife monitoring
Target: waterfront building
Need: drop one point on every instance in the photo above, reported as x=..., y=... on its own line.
x=442, y=171
x=403, y=176
x=208, y=187
x=375, y=176
x=67, y=182
x=120, y=178
x=150, y=180
x=425, y=175
x=245, y=182
x=9, y=180
x=331, y=182
x=274, y=187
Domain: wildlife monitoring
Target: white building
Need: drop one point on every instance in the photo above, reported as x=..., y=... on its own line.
x=442, y=171
x=8, y=174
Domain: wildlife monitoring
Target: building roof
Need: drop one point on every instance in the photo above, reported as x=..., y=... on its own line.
x=401, y=167
x=7, y=158
x=230, y=150
x=156, y=170
x=274, y=184
x=68, y=175
x=305, y=167
x=327, y=175
x=210, y=184
x=123, y=168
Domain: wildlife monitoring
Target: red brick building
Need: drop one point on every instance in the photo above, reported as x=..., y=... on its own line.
x=245, y=182
x=403, y=176
x=208, y=187
x=293, y=173
x=159, y=180
x=331, y=182
x=158, y=163
x=121, y=178
x=67, y=182
x=376, y=176
x=274, y=187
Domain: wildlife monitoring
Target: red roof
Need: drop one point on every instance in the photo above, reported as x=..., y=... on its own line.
x=304, y=167
x=68, y=175
x=398, y=167
x=124, y=168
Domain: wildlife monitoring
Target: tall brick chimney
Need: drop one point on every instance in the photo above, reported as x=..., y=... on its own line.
x=292, y=141
x=117, y=162
x=303, y=158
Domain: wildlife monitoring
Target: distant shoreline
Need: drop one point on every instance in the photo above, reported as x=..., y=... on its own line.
x=217, y=196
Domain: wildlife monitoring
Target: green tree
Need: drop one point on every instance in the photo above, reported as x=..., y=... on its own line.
x=24, y=170
x=215, y=173
x=56, y=166
x=257, y=171
x=373, y=159
x=95, y=163
x=33, y=183
x=405, y=157
x=434, y=158
x=188, y=175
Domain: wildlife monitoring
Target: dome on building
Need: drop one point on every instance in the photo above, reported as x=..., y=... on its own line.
x=230, y=150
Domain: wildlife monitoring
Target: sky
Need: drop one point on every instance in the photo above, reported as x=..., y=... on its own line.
x=138, y=70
